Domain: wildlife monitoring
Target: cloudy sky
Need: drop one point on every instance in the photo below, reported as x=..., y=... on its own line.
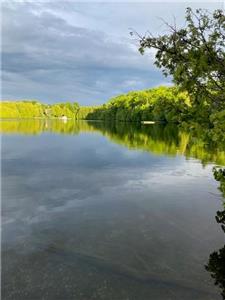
x=72, y=51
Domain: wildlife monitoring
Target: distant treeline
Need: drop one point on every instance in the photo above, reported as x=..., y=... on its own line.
x=34, y=109
x=163, y=104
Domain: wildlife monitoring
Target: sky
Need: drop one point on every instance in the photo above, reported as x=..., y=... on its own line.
x=56, y=51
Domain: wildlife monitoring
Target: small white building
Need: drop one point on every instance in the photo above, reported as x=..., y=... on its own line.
x=64, y=118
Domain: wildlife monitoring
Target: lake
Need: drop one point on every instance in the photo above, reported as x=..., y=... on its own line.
x=107, y=211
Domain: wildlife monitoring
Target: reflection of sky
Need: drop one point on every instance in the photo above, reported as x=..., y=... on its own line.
x=56, y=172
x=96, y=197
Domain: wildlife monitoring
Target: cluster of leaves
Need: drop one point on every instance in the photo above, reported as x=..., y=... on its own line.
x=219, y=175
x=194, y=56
x=217, y=121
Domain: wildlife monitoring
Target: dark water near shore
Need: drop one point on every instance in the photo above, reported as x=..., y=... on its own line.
x=107, y=211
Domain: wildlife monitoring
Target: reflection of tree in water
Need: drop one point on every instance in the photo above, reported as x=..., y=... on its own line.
x=160, y=139
x=163, y=139
x=216, y=266
x=216, y=263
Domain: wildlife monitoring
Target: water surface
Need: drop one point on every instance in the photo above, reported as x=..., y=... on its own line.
x=107, y=211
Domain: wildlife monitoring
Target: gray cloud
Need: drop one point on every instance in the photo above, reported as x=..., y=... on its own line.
x=64, y=52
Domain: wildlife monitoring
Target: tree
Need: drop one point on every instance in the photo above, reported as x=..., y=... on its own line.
x=194, y=56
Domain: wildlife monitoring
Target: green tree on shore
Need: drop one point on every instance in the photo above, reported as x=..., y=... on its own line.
x=194, y=56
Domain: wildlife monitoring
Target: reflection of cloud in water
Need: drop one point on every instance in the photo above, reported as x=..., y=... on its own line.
x=107, y=213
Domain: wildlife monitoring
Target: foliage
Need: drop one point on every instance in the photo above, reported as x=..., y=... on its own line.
x=34, y=109
x=21, y=109
x=162, y=104
x=194, y=56
x=219, y=175
x=216, y=132
x=165, y=104
x=84, y=111
x=64, y=109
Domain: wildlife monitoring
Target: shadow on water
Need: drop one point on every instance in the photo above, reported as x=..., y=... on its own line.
x=106, y=267
x=215, y=265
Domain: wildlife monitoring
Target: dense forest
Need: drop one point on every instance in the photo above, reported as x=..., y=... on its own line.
x=165, y=104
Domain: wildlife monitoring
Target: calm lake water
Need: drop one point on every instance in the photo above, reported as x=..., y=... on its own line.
x=107, y=211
